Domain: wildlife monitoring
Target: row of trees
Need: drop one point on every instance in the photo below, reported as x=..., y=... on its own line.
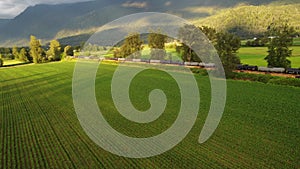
x=278, y=38
x=54, y=53
x=14, y=53
x=36, y=53
x=133, y=45
x=226, y=44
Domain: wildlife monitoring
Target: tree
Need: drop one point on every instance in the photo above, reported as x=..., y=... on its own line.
x=15, y=53
x=280, y=39
x=36, y=50
x=157, y=42
x=23, y=55
x=54, y=52
x=210, y=33
x=132, y=46
x=68, y=51
x=1, y=60
x=189, y=37
x=225, y=43
x=227, y=46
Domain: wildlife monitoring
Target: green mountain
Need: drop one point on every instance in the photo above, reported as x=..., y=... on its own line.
x=249, y=20
x=69, y=21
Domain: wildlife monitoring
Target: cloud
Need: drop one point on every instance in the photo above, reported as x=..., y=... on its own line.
x=34, y=2
x=11, y=8
x=168, y=3
x=135, y=4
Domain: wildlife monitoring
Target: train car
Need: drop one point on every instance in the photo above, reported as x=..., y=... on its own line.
x=145, y=60
x=176, y=62
x=136, y=60
x=271, y=70
x=240, y=67
x=293, y=71
x=187, y=63
x=247, y=67
x=194, y=63
x=154, y=61
x=191, y=63
x=121, y=59
x=165, y=62
x=278, y=70
x=128, y=60
x=208, y=65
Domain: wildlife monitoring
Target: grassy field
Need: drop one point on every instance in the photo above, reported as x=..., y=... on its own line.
x=297, y=41
x=256, y=55
x=40, y=129
x=12, y=62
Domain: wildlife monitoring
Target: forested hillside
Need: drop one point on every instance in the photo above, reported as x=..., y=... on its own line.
x=243, y=17
x=249, y=20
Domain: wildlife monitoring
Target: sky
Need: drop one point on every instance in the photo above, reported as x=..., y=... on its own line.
x=11, y=8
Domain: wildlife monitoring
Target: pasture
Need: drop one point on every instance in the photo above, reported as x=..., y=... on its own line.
x=256, y=55
x=12, y=62
x=40, y=129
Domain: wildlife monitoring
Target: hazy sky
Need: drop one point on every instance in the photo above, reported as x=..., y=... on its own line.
x=12, y=8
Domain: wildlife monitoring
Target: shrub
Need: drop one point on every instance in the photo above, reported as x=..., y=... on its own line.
x=252, y=77
x=202, y=72
x=264, y=78
x=1, y=62
x=286, y=82
x=268, y=79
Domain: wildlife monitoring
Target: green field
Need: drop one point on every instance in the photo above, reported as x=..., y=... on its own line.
x=297, y=42
x=256, y=55
x=40, y=129
x=12, y=62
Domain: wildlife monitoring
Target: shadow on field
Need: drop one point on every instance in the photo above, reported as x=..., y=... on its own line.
x=17, y=64
x=24, y=77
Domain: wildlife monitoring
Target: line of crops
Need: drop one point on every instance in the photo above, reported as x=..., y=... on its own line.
x=40, y=129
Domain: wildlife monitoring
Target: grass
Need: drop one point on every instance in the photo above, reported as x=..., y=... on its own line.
x=297, y=41
x=12, y=62
x=40, y=129
x=256, y=55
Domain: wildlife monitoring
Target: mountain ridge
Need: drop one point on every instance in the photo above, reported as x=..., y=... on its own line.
x=60, y=21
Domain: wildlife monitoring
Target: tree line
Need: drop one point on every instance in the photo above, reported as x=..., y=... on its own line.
x=55, y=52
x=36, y=53
x=279, y=39
x=226, y=44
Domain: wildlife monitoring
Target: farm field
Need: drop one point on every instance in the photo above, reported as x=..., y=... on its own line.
x=12, y=62
x=296, y=42
x=256, y=55
x=40, y=129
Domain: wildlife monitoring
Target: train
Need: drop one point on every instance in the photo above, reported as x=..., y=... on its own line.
x=293, y=71
x=240, y=67
x=171, y=62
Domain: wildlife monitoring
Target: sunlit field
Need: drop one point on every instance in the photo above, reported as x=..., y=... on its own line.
x=40, y=129
x=256, y=55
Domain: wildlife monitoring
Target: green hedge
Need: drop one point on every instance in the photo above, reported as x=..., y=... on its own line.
x=202, y=72
x=253, y=77
x=286, y=82
x=268, y=79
